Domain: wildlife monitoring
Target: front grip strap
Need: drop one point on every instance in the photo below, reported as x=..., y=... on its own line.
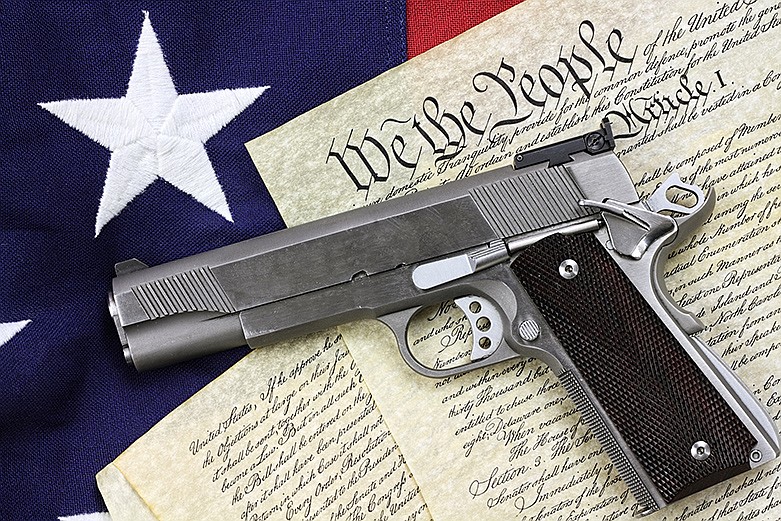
x=657, y=399
x=608, y=440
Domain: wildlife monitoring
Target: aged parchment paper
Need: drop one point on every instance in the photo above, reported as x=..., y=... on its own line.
x=289, y=432
x=692, y=89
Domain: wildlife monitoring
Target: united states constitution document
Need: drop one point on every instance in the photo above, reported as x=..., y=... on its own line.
x=691, y=89
x=287, y=433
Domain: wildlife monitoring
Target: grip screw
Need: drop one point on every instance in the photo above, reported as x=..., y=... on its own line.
x=700, y=451
x=568, y=269
x=755, y=456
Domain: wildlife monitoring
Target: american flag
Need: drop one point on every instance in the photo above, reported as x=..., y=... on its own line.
x=123, y=132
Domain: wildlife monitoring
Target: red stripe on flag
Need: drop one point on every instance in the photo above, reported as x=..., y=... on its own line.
x=431, y=23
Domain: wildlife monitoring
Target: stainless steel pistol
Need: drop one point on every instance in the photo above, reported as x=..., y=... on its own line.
x=554, y=257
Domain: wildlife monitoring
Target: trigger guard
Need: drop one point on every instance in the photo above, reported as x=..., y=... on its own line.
x=398, y=322
x=486, y=323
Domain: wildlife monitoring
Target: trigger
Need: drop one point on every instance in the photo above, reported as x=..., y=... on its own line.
x=486, y=322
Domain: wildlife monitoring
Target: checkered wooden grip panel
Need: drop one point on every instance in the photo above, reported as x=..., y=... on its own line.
x=654, y=393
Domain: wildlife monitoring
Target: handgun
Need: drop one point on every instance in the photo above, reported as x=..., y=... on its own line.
x=554, y=257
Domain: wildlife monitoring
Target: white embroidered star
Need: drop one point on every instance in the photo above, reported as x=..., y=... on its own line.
x=97, y=516
x=153, y=132
x=10, y=329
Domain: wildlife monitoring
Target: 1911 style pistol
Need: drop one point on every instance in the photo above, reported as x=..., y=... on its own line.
x=554, y=257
